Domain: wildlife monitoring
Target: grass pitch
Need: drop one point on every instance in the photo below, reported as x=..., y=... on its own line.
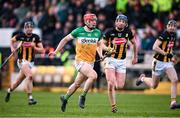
x=97, y=105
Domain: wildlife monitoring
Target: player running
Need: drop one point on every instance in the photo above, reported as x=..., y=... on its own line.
x=31, y=44
x=87, y=42
x=116, y=40
x=162, y=62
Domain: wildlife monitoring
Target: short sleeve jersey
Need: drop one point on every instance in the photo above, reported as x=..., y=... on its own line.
x=24, y=52
x=86, y=43
x=168, y=42
x=118, y=40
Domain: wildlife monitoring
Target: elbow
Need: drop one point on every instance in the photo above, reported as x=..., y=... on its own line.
x=154, y=48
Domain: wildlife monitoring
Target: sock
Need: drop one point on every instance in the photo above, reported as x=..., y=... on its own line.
x=113, y=106
x=9, y=90
x=30, y=96
x=173, y=100
x=84, y=93
x=67, y=96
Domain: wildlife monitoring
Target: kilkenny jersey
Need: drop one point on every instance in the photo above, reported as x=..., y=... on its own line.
x=118, y=40
x=168, y=41
x=86, y=43
x=26, y=53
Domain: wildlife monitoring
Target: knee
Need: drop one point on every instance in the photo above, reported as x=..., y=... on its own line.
x=30, y=76
x=93, y=76
x=120, y=86
x=174, y=81
x=110, y=86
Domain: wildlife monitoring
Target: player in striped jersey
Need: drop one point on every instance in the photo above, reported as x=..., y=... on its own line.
x=163, y=62
x=115, y=66
x=31, y=44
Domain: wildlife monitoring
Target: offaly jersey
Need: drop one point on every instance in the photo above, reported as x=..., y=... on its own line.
x=86, y=43
x=118, y=40
x=27, y=53
x=168, y=41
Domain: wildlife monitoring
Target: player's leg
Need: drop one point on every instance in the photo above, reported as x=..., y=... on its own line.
x=120, y=74
x=91, y=75
x=73, y=87
x=172, y=75
x=152, y=82
x=14, y=85
x=110, y=77
x=26, y=69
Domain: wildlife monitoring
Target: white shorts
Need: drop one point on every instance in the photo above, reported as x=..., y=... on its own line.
x=159, y=67
x=79, y=64
x=116, y=64
x=23, y=61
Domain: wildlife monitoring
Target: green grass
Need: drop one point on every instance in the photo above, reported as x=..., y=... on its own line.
x=97, y=105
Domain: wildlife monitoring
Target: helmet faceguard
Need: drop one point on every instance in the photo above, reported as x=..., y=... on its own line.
x=28, y=26
x=171, y=26
x=88, y=18
x=121, y=22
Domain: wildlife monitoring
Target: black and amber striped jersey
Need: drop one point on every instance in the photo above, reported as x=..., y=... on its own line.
x=27, y=53
x=167, y=45
x=118, y=40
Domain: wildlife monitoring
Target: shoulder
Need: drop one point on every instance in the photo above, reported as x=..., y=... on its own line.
x=163, y=35
x=35, y=36
x=128, y=30
x=97, y=31
x=20, y=35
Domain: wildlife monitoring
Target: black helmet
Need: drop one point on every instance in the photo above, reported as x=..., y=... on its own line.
x=171, y=22
x=122, y=17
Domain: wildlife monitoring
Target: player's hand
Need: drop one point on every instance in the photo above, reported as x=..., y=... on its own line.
x=175, y=59
x=134, y=61
x=52, y=55
x=109, y=50
x=12, y=49
x=33, y=44
x=169, y=55
x=102, y=58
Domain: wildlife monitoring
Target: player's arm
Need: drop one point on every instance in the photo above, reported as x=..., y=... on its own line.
x=12, y=42
x=109, y=50
x=133, y=42
x=39, y=48
x=63, y=42
x=99, y=48
x=156, y=47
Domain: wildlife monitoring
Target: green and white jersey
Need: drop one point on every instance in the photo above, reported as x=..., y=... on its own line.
x=86, y=43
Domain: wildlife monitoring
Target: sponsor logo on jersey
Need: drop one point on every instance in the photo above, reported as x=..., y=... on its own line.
x=87, y=40
x=119, y=41
x=171, y=42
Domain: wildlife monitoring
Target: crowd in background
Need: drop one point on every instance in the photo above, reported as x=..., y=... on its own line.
x=57, y=18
